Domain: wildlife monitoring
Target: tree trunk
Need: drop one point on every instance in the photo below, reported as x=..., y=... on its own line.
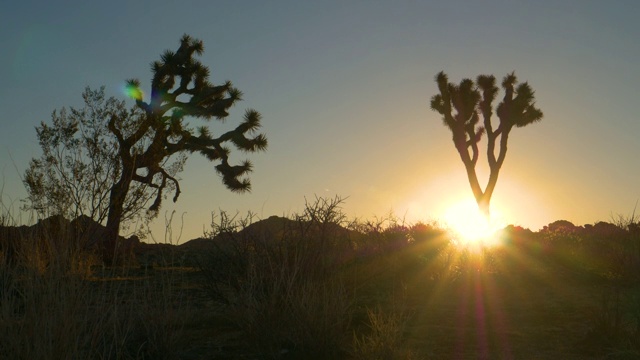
x=116, y=206
x=484, y=206
x=484, y=200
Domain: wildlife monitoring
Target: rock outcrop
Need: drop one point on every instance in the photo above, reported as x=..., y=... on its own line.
x=56, y=232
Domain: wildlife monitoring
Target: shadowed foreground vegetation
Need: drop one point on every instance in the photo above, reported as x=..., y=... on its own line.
x=317, y=286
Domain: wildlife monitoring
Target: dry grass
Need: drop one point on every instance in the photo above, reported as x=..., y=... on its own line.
x=306, y=289
x=280, y=285
x=53, y=306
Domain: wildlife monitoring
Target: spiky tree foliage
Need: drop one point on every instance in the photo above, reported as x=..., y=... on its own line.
x=180, y=89
x=467, y=111
x=80, y=162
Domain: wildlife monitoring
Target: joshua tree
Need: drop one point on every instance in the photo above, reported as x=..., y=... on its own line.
x=471, y=102
x=179, y=89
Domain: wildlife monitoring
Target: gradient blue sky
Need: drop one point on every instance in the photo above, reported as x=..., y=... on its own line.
x=344, y=88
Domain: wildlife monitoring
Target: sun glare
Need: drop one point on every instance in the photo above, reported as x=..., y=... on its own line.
x=469, y=226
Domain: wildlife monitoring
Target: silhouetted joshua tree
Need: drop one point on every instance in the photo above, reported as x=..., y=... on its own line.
x=180, y=88
x=462, y=106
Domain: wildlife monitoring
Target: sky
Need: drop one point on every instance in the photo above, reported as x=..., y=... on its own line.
x=344, y=88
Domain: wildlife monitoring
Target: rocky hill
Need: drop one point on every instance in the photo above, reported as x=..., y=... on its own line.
x=85, y=234
x=56, y=232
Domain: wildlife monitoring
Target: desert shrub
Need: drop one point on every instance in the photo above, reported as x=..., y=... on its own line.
x=296, y=287
x=380, y=236
x=384, y=334
x=292, y=316
x=48, y=306
x=389, y=249
x=384, y=338
x=605, y=251
x=43, y=314
x=55, y=304
x=613, y=325
x=625, y=249
x=279, y=279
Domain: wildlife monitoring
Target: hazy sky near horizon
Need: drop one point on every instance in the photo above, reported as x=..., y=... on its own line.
x=344, y=89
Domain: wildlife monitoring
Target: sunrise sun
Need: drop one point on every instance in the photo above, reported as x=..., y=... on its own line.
x=468, y=225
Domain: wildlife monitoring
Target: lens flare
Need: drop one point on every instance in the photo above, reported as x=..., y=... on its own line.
x=133, y=92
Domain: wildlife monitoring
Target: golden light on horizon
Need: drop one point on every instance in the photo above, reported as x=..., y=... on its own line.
x=469, y=227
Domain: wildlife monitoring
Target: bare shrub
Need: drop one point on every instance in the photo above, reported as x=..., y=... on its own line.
x=384, y=337
x=627, y=248
x=614, y=325
x=279, y=282
x=53, y=304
